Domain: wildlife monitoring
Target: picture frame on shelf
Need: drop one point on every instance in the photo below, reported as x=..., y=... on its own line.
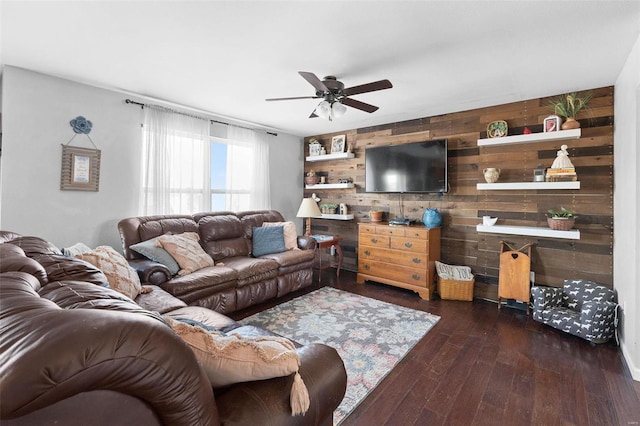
x=337, y=143
x=314, y=149
x=552, y=123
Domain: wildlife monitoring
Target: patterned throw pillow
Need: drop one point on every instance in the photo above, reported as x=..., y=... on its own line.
x=290, y=233
x=186, y=250
x=149, y=250
x=268, y=240
x=115, y=267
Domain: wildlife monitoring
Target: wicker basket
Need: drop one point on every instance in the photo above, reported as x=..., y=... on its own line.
x=456, y=289
x=560, y=224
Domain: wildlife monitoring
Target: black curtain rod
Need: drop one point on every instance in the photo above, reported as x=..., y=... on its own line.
x=129, y=101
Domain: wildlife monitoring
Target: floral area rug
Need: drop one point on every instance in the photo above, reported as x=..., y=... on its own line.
x=371, y=336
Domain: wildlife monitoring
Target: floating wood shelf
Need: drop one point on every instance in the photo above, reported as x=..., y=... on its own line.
x=335, y=156
x=533, y=231
x=527, y=185
x=337, y=216
x=531, y=137
x=329, y=186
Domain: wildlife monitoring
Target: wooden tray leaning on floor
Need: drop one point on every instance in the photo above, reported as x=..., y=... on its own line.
x=515, y=272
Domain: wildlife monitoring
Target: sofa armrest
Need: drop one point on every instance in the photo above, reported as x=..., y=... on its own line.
x=306, y=243
x=267, y=401
x=545, y=298
x=593, y=311
x=150, y=272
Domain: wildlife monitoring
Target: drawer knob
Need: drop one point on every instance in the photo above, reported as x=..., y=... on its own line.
x=416, y=260
x=373, y=240
x=367, y=252
x=408, y=245
x=415, y=277
x=366, y=266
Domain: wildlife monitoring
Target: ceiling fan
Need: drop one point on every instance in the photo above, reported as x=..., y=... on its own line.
x=335, y=96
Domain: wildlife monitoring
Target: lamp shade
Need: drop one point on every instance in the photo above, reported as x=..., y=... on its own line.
x=308, y=208
x=338, y=109
x=323, y=110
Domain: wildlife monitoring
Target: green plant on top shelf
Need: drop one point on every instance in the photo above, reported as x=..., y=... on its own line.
x=569, y=105
x=562, y=214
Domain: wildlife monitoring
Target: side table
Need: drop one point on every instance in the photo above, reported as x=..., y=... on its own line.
x=327, y=242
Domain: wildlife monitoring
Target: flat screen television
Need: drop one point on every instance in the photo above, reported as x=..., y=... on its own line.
x=412, y=167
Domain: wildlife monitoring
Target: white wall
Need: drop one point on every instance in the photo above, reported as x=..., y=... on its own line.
x=626, y=207
x=36, y=110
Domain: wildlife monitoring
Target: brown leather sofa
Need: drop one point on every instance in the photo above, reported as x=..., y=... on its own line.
x=73, y=351
x=238, y=280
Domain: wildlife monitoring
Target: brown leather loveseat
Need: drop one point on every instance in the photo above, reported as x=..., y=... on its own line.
x=74, y=351
x=238, y=280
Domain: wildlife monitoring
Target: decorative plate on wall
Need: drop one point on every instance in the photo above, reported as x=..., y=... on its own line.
x=497, y=129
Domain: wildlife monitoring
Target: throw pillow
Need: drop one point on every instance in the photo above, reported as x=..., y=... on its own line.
x=228, y=359
x=115, y=267
x=149, y=250
x=290, y=233
x=268, y=240
x=186, y=250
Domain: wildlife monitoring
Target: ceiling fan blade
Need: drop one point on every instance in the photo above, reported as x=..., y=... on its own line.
x=314, y=81
x=313, y=114
x=359, y=105
x=289, y=99
x=369, y=87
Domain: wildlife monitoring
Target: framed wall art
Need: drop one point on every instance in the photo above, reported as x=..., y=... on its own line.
x=80, y=169
x=552, y=123
x=337, y=144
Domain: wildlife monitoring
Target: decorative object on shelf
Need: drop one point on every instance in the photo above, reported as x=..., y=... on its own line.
x=311, y=178
x=315, y=198
x=80, y=169
x=562, y=169
x=328, y=208
x=343, y=209
x=375, y=214
x=314, y=147
x=323, y=151
x=323, y=179
x=345, y=180
x=489, y=221
x=562, y=159
x=497, y=129
x=562, y=220
x=538, y=173
x=568, y=106
x=337, y=144
x=526, y=131
x=491, y=174
x=350, y=146
x=551, y=123
x=308, y=209
x=431, y=218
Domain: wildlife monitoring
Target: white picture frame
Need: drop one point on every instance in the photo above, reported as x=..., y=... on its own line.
x=551, y=123
x=314, y=149
x=337, y=143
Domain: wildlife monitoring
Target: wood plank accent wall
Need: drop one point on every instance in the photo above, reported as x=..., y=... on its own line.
x=463, y=206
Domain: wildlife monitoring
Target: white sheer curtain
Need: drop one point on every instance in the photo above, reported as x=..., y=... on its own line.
x=248, y=184
x=175, y=163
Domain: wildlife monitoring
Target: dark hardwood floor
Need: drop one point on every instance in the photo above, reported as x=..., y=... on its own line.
x=484, y=366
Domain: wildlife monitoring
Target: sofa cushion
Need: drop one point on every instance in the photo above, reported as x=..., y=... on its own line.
x=292, y=257
x=186, y=250
x=158, y=300
x=115, y=267
x=151, y=251
x=205, y=316
x=229, y=359
x=251, y=270
x=222, y=236
x=268, y=240
x=290, y=233
x=211, y=278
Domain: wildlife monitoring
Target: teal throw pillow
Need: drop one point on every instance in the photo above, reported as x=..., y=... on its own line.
x=157, y=254
x=268, y=240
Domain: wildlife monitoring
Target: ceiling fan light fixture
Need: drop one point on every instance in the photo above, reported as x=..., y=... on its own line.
x=338, y=109
x=323, y=110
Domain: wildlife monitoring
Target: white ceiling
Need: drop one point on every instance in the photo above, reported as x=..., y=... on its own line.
x=226, y=57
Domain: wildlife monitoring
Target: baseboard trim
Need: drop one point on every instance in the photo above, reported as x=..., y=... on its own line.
x=634, y=369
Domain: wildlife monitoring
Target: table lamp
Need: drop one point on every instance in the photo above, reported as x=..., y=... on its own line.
x=308, y=209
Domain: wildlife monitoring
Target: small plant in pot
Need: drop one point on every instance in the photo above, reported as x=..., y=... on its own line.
x=311, y=178
x=375, y=214
x=328, y=208
x=562, y=220
x=568, y=106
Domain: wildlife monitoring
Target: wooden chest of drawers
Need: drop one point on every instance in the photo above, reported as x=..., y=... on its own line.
x=402, y=256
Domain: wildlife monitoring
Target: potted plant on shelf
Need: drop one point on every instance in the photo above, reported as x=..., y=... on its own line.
x=568, y=106
x=562, y=220
x=311, y=178
x=328, y=208
x=375, y=214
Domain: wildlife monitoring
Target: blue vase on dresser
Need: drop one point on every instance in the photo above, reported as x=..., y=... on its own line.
x=432, y=218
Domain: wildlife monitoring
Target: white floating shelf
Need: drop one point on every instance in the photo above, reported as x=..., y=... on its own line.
x=337, y=216
x=329, y=186
x=531, y=137
x=527, y=185
x=335, y=156
x=533, y=231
